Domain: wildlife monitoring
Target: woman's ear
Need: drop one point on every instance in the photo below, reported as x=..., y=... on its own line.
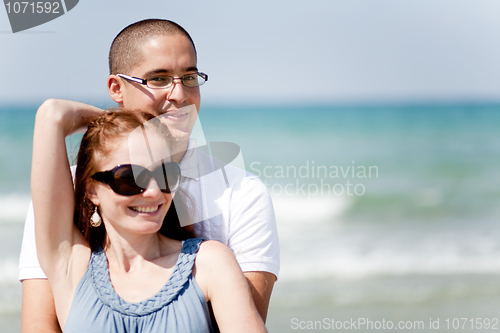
x=91, y=192
x=115, y=87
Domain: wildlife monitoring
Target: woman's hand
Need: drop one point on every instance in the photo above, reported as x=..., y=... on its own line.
x=69, y=116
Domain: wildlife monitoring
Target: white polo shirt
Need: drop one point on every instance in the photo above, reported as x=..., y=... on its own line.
x=231, y=206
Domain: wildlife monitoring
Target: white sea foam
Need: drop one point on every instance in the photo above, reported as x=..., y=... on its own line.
x=334, y=249
x=351, y=261
x=13, y=207
x=9, y=272
x=355, y=266
x=297, y=209
x=10, y=288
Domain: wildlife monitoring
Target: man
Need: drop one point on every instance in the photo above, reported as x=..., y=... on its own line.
x=142, y=55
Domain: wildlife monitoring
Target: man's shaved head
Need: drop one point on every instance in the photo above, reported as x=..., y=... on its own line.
x=125, y=52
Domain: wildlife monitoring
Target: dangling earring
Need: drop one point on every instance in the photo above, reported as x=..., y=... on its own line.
x=95, y=219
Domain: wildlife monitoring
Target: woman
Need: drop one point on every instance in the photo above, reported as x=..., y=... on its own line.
x=112, y=270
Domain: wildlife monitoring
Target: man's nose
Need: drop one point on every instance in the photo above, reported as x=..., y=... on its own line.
x=177, y=92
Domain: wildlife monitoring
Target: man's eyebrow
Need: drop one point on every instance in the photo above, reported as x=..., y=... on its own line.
x=167, y=71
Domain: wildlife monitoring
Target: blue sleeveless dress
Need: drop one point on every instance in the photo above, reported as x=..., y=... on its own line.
x=179, y=306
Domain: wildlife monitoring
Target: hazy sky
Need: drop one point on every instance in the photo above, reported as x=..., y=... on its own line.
x=280, y=51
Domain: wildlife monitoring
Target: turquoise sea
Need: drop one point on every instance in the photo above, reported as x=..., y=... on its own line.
x=387, y=213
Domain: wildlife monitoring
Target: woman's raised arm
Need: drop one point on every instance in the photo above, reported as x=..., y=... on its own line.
x=51, y=183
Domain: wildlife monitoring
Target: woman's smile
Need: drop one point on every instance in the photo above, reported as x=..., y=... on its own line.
x=146, y=209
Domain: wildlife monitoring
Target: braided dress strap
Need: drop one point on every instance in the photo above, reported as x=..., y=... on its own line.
x=175, y=284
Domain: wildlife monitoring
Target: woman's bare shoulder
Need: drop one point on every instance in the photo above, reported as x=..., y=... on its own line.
x=213, y=252
x=215, y=263
x=216, y=258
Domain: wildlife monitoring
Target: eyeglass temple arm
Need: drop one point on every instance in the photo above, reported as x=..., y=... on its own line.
x=131, y=78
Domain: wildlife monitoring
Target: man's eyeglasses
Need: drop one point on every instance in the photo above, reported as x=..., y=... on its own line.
x=165, y=81
x=131, y=179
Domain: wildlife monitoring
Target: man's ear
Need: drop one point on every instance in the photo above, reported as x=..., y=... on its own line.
x=91, y=192
x=115, y=87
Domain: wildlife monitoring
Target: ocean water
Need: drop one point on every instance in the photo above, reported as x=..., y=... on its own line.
x=386, y=213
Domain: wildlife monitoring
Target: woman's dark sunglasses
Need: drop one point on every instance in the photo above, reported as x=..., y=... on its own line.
x=131, y=179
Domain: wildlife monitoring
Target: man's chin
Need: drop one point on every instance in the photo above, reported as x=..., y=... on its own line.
x=180, y=135
x=180, y=126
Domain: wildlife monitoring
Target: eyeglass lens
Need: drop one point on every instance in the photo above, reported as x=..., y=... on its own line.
x=163, y=81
